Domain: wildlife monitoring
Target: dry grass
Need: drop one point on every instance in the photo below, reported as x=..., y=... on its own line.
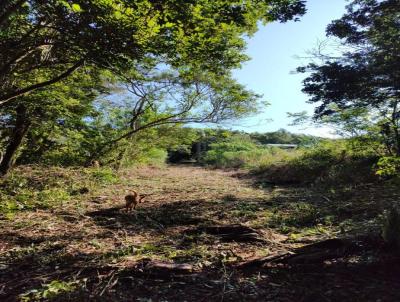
x=94, y=250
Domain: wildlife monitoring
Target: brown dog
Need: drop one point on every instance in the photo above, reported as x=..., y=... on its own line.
x=132, y=200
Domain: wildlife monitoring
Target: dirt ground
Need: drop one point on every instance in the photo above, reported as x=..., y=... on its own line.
x=169, y=250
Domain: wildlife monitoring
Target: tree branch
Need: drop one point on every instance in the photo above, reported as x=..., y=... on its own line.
x=8, y=97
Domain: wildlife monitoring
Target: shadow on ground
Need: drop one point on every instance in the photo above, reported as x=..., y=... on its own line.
x=157, y=217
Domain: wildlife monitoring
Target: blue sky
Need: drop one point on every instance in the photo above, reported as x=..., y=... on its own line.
x=273, y=50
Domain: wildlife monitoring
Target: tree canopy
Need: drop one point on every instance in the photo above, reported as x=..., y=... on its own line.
x=364, y=80
x=62, y=35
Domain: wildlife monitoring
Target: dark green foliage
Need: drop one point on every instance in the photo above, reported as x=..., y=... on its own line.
x=360, y=89
x=62, y=36
x=58, y=133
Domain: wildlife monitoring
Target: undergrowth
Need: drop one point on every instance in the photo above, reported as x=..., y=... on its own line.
x=238, y=152
x=329, y=163
x=29, y=188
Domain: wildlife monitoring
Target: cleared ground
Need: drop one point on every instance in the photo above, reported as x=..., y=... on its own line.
x=172, y=248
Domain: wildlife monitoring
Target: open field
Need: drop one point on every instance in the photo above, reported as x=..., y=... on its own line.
x=174, y=247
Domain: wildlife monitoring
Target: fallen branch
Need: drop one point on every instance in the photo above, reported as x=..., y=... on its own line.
x=309, y=254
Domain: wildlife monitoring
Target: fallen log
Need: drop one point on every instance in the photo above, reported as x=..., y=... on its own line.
x=325, y=250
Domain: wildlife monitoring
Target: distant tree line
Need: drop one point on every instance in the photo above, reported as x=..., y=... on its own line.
x=204, y=139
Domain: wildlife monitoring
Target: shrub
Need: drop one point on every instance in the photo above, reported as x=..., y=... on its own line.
x=239, y=152
x=155, y=156
x=327, y=162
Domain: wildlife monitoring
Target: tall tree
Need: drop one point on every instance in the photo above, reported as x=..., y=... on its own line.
x=365, y=80
x=46, y=116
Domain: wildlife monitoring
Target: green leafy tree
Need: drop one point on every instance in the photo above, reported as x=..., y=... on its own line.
x=50, y=119
x=283, y=136
x=361, y=88
x=162, y=98
x=64, y=35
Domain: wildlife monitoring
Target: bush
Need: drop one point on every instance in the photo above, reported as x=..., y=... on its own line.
x=155, y=157
x=327, y=162
x=239, y=152
x=104, y=175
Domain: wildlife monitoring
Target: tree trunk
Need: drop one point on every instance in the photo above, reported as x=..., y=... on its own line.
x=21, y=127
x=395, y=122
x=397, y=139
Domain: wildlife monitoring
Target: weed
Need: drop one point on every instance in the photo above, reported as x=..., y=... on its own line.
x=51, y=197
x=28, y=188
x=103, y=175
x=299, y=214
x=325, y=163
x=246, y=210
x=49, y=291
x=237, y=152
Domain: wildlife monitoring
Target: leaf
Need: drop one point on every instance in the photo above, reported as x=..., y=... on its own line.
x=76, y=8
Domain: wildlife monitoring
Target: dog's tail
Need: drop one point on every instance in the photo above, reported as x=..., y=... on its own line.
x=134, y=193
